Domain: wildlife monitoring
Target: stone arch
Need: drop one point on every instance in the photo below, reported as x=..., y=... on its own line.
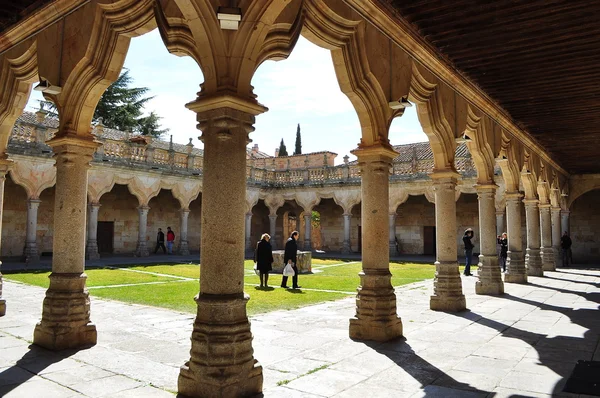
x=99, y=183
x=508, y=162
x=117, y=206
x=185, y=191
x=347, y=199
x=397, y=197
x=579, y=185
x=143, y=187
x=529, y=174
x=34, y=175
x=478, y=134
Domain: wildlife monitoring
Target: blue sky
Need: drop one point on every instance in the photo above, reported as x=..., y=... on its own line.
x=302, y=89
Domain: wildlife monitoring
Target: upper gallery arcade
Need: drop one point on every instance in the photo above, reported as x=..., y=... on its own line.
x=384, y=53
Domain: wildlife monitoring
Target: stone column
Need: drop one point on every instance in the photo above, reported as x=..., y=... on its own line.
x=376, y=318
x=546, y=250
x=489, y=276
x=346, y=245
x=308, y=231
x=515, y=263
x=556, y=235
x=249, y=246
x=31, y=252
x=184, y=249
x=447, y=284
x=272, y=230
x=533, y=261
x=500, y=229
x=4, y=167
x=222, y=362
x=142, y=249
x=565, y=224
x=392, y=244
x=66, y=310
x=91, y=249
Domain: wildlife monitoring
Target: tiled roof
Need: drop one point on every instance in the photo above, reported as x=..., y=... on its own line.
x=423, y=151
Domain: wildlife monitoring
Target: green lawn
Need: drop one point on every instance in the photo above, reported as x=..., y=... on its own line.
x=338, y=278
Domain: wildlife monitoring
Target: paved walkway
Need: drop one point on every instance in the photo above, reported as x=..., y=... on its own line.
x=524, y=343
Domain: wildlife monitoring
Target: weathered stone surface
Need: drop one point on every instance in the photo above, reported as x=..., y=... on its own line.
x=304, y=261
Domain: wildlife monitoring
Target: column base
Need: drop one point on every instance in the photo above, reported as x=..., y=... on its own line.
x=547, y=254
x=222, y=362
x=557, y=257
x=91, y=251
x=393, y=250
x=307, y=245
x=489, y=276
x=515, y=268
x=31, y=254
x=66, y=315
x=346, y=249
x=376, y=318
x=447, y=288
x=142, y=250
x=533, y=261
x=184, y=249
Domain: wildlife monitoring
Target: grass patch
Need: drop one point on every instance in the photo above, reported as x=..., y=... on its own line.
x=283, y=382
x=322, y=261
x=316, y=370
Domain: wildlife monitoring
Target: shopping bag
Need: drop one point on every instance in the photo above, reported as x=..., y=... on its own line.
x=288, y=270
x=256, y=271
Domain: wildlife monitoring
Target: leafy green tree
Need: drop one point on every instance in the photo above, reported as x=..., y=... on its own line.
x=298, y=149
x=282, y=149
x=121, y=108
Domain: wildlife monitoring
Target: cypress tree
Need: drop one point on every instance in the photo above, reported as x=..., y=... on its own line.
x=298, y=149
x=282, y=149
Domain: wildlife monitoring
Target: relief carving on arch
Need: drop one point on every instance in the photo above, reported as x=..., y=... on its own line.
x=508, y=162
x=99, y=183
x=33, y=174
x=307, y=200
x=347, y=199
x=398, y=196
x=144, y=188
x=529, y=174
x=185, y=190
x=273, y=202
x=479, y=135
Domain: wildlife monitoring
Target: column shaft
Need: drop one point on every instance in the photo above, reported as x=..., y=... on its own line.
x=91, y=249
x=565, y=225
x=249, y=245
x=346, y=245
x=546, y=250
x=392, y=243
x=142, y=245
x=515, y=263
x=272, y=230
x=3, y=170
x=184, y=248
x=533, y=261
x=376, y=317
x=556, y=234
x=489, y=276
x=221, y=358
x=66, y=311
x=31, y=252
x=447, y=285
x=500, y=228
x=308, y=231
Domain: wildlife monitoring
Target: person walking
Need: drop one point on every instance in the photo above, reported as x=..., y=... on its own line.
x=263, y=257
x=503, y=242
x=289, y=257
x=468, y=250
x=565, y=244
x=170, y=240
x=160, y=241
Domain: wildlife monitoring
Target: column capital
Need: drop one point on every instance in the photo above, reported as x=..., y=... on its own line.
x=74, y=144
x=544, y=206
x=94, y=205
x=480, y=188
x=347, y=214
x=143, y=208
x=531, y=202
x=513, y=196
x=499, y=212
x=444, y=174
x=273, y=216
x=379, y=152
x=185, y=210
x=565, y=212
x=5, y=164
x=34, y=201
x=556, y=209
x=210, y=106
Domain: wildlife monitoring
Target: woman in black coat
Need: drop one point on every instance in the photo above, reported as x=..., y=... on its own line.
x=503, y=242
x=263, y=257
x=289, y=256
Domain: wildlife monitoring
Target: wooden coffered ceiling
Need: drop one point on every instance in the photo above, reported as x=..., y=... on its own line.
x=12, y=11
x=538, y=59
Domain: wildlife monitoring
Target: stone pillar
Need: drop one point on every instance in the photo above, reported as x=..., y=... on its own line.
x=533, y=261
x=447, y=284
x=31, y=252
x=376, y=318
x=565, y=224
x=4, y=167
x=308, y=231
x=489, y=276
x=184, y=249
x=500, y=228
x=249, y=245
x=272, y=230
x=556, y=235
x=515, y=263
x=91, y=249
x=142, y=246
x=392, y=244
x=546, y=250
x=222, y=362
x=66, y=310
x=346, y=245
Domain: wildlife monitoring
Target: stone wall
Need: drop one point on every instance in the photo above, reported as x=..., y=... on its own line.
x=332, y=226
x=14, y=222
x=315, y=159
x=413, y=215
x=585, y=228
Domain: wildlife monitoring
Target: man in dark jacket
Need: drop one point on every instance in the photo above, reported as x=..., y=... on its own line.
x=503, y=242
x=468, y=250
x=565, y=244
x=289, y=256
x=160, y=241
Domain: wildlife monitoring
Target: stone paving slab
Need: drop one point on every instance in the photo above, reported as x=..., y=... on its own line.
x=522, y=344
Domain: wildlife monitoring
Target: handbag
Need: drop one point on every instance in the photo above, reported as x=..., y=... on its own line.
x=256, y=271
x=288, y=270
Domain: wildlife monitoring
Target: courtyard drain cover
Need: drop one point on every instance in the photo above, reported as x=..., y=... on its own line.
x=585, y=378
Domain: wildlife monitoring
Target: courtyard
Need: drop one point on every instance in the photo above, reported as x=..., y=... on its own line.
x=524, y=343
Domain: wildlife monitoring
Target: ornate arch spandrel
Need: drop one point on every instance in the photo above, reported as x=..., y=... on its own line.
x=529, y=175
x=34, y=175
x=398, y=196
x=508, y=162
x=185, y=190
x=478, y=133
x=347, y=199
x=100, y=182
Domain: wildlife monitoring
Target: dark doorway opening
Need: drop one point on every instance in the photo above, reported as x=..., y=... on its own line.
x=429, y=241
x=106, y=234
